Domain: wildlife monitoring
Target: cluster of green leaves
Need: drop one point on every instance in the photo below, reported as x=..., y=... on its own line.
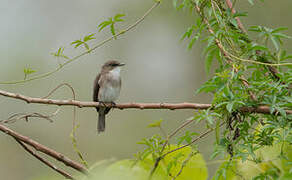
x=83, y=42
x=86, y=39
x=274, y=35
x=60, y=53
x=241, y=139
x=27, y=71
x=153, y=147
x=111, y=23
x=251, y=146
x=260, y=142
x=193, y=164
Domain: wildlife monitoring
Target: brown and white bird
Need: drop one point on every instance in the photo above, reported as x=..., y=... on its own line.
x=107, y=86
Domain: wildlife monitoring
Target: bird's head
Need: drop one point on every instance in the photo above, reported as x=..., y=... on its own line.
x=111, y=65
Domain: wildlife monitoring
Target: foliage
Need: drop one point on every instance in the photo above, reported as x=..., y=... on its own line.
x=83, y=42
x=60, y=53
x=252, y=69
x=111, y=23
x=27, y=71
x=250, y=72
x=239, y=58
x=191, y=161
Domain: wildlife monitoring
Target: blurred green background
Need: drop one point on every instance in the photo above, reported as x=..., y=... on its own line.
x=159, y=69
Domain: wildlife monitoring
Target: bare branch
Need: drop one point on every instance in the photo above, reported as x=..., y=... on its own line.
x=26, y=116
x=52, y=166
x=171, y=106
x=39, y=147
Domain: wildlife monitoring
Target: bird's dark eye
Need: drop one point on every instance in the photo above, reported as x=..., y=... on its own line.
x=114, y=64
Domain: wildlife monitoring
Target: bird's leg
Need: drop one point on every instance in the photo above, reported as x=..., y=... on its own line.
x=113, y=104
x=103, y=103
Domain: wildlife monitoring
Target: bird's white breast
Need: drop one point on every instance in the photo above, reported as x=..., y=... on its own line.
x=116, y=72
x=110, y=90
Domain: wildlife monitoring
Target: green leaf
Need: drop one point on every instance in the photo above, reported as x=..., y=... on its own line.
x=117, y=17
x=281, y=35
x=86, y=46
x=240, y=14
x=275, y=43
x=113, y=29
x=259, y=47
x=194, y=39
x=279, y=29
x=28, y=71
x=77, y=43
x=251, y=2
x=155, y=124
x=189, y=32
x=174, y=3
x=217, y=131
x=229, y=106
x=209, y=60
x=88, y=37
x=187, y=137
x=256, y=28
x=60, y=53
x=104, y=24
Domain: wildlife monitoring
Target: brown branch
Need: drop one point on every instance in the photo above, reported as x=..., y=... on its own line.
x=274, y=71
x=240, y=25
x=41, y=148
x=27, y=116
x=52, y=166
x=220, y=46
x=171, y=106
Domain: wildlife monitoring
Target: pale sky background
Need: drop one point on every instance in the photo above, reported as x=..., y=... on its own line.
x=159, y=68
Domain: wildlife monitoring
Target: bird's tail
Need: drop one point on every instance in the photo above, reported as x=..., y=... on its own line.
x=101, y=120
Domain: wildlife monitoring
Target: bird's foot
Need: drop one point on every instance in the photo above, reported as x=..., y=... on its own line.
x=113, y=104
x=103, y=103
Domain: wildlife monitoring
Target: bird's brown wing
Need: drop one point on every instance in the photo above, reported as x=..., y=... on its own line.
x=96, y=91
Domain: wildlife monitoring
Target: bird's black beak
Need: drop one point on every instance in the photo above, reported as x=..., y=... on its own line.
x=122, y=64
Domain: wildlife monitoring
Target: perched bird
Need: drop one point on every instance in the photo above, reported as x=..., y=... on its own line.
x=107, y=86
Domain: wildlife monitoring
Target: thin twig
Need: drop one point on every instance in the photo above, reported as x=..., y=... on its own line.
x=240, y=25
x=202, y=135
x=74, y=126
x=41, y=148
x=220, y=46
x=172, y=106
x=52, y=166
x=184, y=163
x=175, y=132
x=88, y=51
x=26, y=116
x=272, y=69
x=166, y=142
